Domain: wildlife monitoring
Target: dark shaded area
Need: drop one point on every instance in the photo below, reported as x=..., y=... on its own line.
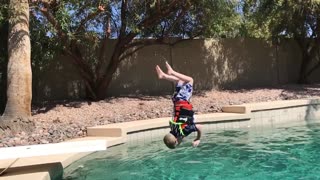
x=3, y=64
x=300, y=90
x=46, y=106
x=289, y=91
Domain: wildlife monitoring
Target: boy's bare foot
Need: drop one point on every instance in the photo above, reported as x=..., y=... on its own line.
x=170, y=70
x=101, y=8
x=159, y=72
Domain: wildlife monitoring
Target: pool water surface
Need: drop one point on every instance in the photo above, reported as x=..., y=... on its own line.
x=274, y=153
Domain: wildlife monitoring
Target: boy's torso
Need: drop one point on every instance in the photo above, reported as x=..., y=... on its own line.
x=183, y=122
x=182, y=92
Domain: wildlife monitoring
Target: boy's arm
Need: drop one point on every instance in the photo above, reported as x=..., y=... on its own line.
x=196, y=142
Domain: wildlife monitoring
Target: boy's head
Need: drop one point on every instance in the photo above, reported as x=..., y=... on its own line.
x=170, y=140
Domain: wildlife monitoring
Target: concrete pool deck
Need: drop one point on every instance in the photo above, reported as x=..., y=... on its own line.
x=233, y=116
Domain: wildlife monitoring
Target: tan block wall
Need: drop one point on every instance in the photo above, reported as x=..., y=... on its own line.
x=136, y=75
x=59, y=81
x=214, y=63
x=224, y=63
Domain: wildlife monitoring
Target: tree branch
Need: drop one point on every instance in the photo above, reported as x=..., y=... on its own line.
x=130, y=53
x=123, y=18
x=180, y=16
x=159, y=6
x=77, y=62
x=83, y=7
x=52, y=20
x=313, y=68
x=144, y=43
x=102, y=48
x=314, y=46
x=88, y=18
x=159, y=15
x=124, y=39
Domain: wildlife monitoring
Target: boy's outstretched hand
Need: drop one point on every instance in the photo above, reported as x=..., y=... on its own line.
x=196, y=143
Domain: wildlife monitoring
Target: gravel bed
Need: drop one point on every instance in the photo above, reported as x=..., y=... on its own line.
x=59, y=121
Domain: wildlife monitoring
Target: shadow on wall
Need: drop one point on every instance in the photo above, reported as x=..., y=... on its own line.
x=2, y=95
x=57, y=81
x=213, y=63
x=227, y=63
x=136, y=74
x=289, y=61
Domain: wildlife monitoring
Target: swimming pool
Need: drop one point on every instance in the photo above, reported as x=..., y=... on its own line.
x=272, y=153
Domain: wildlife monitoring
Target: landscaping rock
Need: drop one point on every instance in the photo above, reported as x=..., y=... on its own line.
x=66, y=120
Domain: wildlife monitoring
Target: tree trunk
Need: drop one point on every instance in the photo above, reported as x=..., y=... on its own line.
x=303, y=68
x=104, y=82
x=307, y=69
x=17, y=113
x=102, y=88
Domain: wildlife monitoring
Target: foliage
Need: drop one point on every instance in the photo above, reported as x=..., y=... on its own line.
x=284, y=18
x=43, y=46
x=82, y=28
x=221, y=18
x=74, y=28
x=295, y=19
x=205, y=19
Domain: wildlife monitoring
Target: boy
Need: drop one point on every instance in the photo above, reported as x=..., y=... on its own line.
x=183, y=122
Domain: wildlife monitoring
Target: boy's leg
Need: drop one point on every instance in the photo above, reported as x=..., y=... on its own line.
x=180, y=76
x=162, y=75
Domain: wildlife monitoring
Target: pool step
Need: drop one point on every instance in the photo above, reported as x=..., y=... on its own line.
x=122, y=129
x=248, y=108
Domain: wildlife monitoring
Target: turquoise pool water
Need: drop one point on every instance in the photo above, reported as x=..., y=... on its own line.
x=279, y=153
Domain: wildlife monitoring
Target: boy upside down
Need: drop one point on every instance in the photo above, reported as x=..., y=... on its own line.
x=182, y=123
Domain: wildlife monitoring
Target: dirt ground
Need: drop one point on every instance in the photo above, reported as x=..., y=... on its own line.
x=58, y=121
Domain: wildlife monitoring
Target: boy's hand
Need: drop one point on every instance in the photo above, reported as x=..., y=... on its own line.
x=196, y=143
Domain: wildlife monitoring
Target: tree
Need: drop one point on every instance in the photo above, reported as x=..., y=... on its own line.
x=296, y=19
x=220, y=18
x=18, y=108
x=80, y=26
x=44, y=48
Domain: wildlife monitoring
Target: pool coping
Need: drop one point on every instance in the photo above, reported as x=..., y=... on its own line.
x=51, y=167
